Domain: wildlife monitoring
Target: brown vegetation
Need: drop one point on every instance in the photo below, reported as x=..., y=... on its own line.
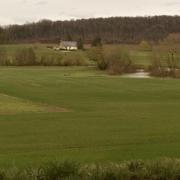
x=115, y=61
x=166, y=64
x=25, y=57
x=29, y=57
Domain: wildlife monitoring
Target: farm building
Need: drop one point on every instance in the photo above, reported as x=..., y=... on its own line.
x=68, y=45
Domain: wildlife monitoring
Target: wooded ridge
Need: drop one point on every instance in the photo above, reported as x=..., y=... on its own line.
x=111, y=30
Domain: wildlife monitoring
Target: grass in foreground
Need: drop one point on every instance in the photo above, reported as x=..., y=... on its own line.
x=110, y=118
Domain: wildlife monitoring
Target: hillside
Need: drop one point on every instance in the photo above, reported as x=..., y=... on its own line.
x=111, y=30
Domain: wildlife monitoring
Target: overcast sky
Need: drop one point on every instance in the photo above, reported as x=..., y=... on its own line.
x=23, y=11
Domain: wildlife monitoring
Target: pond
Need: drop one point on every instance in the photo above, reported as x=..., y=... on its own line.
x=138, y=74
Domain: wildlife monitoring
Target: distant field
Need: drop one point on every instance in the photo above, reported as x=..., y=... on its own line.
x=81, y=114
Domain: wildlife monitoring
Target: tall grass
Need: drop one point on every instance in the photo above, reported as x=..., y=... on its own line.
x=164, y=169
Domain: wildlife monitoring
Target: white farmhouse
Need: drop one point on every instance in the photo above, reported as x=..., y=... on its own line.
x=68, y=45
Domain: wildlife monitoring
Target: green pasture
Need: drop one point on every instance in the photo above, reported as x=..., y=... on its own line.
x=80, y=114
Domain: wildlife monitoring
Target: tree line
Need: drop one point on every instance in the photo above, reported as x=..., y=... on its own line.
x=110, y=30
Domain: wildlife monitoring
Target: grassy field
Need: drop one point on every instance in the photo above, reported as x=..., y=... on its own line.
x=81, y=114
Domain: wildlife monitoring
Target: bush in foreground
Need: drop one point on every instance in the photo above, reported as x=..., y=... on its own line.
x=164, y=169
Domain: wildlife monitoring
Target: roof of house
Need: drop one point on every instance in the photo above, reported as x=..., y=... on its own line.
x=69, y=43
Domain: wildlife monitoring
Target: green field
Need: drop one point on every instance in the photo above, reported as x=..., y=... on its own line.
x=81, y=114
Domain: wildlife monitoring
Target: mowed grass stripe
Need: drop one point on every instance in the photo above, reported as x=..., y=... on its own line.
x=111, y=118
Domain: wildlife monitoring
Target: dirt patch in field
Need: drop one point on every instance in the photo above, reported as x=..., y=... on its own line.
x=14, y=105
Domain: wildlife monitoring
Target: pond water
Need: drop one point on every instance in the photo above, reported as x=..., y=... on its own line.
x=138, y=74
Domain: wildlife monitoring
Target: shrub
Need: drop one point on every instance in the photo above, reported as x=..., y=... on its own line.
x=102, y=62
x=116, y=61
x=74, y=59
x=165, y=65
x=80, y=44
x=44, y=60
x=93, y=53
x=145, y=46
x=96, y=42
x=172, y=38
x=50, y=60
x=157, y=68
x=3, y=58
x=25, y=57
x=119, y=62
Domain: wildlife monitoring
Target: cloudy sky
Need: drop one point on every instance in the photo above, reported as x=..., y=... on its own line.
x=23, y=11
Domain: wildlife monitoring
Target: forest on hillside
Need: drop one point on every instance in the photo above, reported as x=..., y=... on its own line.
x=110, y=30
